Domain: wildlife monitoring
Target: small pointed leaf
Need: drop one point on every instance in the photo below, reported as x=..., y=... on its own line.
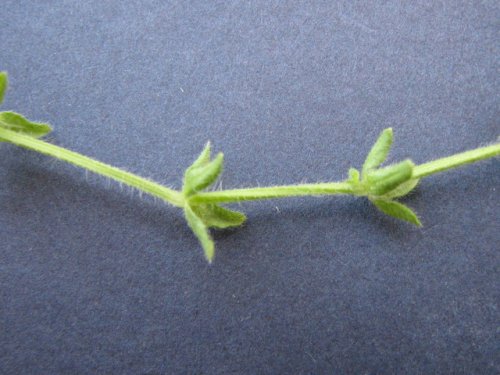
x=198, y=178
x=402, y=189
x=386, y=179
x=379, y=151
x=204, y=157
x=353, y=176
x=216, y=216
x=397, y=210
x=201, y=231
x=4, y=82
x=18, y=123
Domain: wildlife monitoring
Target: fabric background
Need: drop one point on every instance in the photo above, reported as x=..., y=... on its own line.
x=96, y=279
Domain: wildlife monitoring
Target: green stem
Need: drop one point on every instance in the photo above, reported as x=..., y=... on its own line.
x=150, y=187
x=239, y=195
x=456, y=160
x=235, y=195
x=334, y=188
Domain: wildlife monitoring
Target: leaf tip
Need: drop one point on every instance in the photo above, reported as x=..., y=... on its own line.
x=219, y=157
x=397, y=210
x=418, y=223
x=204, y=157
x=379, y=151
x=209, y=252
x=208, y=146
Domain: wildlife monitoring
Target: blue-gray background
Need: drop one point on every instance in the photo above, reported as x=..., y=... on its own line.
x=97, y=279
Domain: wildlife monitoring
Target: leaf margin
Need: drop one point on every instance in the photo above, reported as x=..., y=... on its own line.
x=16, y=122
x=397, y=210
x=379, y=151
x=201, y=232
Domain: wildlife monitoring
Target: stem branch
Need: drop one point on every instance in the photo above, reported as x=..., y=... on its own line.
x=239, y=195
x=150, y=187
x=456, y=160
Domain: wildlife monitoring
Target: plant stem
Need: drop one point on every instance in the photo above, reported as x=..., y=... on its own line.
x=171, y=196
x=456, y=160
x=239, y=195
x=334, y=188
x=176, y=198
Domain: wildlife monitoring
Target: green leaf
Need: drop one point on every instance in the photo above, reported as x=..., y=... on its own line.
x=200, y=177
x=397, y=210
x=201, y=231
x=4, y=82
x=379, y=151
x=216, y=216
x=402, y=189
x=386, y=179
x=353, y=176
x=204, y=157
x=18, y=123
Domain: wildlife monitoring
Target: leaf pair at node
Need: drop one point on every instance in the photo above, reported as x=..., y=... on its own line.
x=202, y=216
x=15, y=122
x=382, y=185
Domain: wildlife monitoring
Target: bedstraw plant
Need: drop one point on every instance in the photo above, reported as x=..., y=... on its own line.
x=202, y=208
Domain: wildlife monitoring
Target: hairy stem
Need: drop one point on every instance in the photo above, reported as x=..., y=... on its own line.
x=456, y=160
x=176, y=198
x=171, y=196
x=239, y=195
